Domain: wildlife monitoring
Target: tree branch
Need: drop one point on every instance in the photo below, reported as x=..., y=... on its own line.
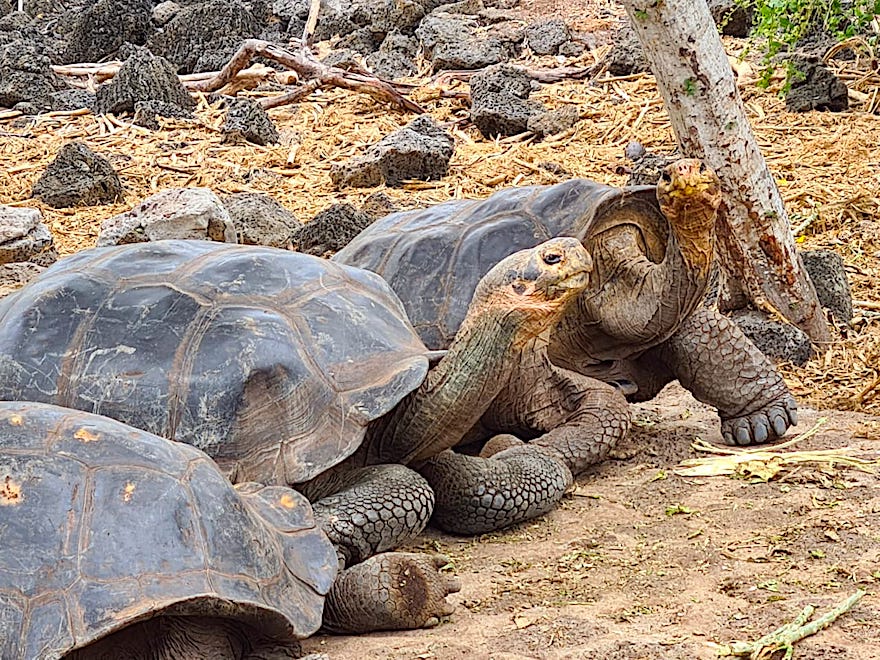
x=309, y=68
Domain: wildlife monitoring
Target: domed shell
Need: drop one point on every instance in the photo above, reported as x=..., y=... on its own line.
x=104, y=525
x=433, y=258
x=270, y=361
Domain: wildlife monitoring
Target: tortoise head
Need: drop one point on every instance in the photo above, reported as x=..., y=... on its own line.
x=689, y=194
x=533, y=286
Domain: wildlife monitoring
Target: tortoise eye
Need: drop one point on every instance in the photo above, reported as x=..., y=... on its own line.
x=666, y=176
x=552, y=258
x=702, y=166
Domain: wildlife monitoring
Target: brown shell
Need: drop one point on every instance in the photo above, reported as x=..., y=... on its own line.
x=433, y=258
x=104, y=525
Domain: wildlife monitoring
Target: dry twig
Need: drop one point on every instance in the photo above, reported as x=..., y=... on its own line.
x=785, y=637
x=309, y=68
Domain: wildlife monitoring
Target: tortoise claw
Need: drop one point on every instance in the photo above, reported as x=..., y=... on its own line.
x=765, y=425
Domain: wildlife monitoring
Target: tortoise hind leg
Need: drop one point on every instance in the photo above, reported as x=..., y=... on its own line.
x=713, y=358
x=370, y=510
x=576, y=420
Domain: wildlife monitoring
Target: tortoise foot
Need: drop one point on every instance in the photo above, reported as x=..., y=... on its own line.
x=765, y=425
x=391, y=591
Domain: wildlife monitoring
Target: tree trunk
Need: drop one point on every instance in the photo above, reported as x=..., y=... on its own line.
x=755, y=243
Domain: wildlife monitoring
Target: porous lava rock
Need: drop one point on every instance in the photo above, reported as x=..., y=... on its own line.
x=142, y=77
x=826, y=270
x=555, y=121
x=815, y=88
x=246, y=120
x=100, y=29
x=777, y=340
x=25, y=237
x=201, y=35
x=175, y=213
x=260, y=219
x=26, y=75
x=331, y=230
x=78, y=177
x=500, y=103
x=546, y=37
x=146, y=113
x=626, y=57
x=419, y=150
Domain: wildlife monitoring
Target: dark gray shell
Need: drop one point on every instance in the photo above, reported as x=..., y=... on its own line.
x=270, y=361
x=433, y=258
x=103, y=525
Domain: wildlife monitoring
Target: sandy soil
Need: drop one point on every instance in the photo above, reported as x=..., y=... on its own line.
x=640, y=563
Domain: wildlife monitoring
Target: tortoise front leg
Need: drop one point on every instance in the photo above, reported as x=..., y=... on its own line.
x=713, y=358
x=370, y=510
x=576, y=420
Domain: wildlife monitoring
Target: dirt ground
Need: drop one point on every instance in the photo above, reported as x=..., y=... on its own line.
x=638, y=562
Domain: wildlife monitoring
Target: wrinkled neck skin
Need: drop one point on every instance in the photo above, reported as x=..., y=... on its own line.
x=456, y=392
x=638, y=303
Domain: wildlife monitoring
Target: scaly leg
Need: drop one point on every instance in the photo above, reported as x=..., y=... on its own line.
x=573, y=421
x=713, y=359
x=371, y=510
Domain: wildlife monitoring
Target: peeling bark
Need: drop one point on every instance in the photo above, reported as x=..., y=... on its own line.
x=755, y=243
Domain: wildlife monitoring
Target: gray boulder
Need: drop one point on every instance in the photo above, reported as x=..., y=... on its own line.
x=25, y=237
x=500, y=103
x=260, y=219
x=200, y=35
x=26, y=75
x=143, y=77
x=184, y=213
x=103, y=27
x=420, y=150
x=78, y=177
x=247, y=121
x=331, y=230
x=546, y=37
x=826, y=270
x=818, y=89
x=777, y=340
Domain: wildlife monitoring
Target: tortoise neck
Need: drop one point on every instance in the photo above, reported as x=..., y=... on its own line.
x=456, y=392
x=692, y=235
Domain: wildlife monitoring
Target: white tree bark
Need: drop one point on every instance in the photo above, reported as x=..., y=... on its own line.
x=755, y=242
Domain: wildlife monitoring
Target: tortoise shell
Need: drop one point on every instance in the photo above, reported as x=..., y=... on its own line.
x=270, y=361
x=104, y=525
x=433, y=258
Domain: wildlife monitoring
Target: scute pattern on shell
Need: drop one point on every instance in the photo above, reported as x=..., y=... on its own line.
x=434, y=257
x=243, y=351
x=105, y=525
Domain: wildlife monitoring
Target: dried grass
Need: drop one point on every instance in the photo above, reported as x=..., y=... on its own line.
x=827, y=166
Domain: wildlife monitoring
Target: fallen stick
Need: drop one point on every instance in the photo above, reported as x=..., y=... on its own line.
x=785, y=637
x=309, y=68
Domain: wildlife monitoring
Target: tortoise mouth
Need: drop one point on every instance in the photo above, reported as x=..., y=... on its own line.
x=577, y=281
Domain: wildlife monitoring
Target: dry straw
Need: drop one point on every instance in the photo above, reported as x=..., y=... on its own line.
x=827, y=166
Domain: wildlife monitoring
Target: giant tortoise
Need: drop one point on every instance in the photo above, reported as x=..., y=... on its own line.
x=290, y=369
x=640, y=325
x=117, y=543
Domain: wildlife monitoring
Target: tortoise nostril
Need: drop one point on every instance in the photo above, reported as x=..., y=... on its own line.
x=552, y=258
